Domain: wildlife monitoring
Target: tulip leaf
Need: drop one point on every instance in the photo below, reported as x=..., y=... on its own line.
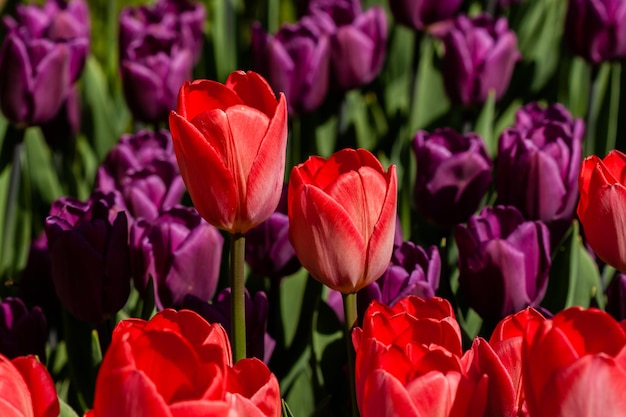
x=66, y=410
x=574, y=93
x=485, y=124
x=398, y=69
x=286, y=410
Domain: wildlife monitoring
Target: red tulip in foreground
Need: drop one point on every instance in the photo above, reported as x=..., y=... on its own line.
x=26, y=389
x=179, y=365
x=230, y=142
x=602, y=206
x=342, y=217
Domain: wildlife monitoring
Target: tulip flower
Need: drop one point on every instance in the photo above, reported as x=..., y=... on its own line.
x=503, y=262
x=296, y=61
x=539, y=161
x=342, y=216
x=602, y=186
x=418, y=14
x=575, y=365
x=22, y=332
x=26, y=389
x=453, y=175
x=181, y=252
x=230, y=142
x=596, y=29
x=89, y=253
x=196, y=375
x=480, y=55
x=41, y=56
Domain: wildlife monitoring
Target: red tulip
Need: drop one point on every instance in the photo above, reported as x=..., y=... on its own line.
x=342, y=218
x=178, y=365
x=230, y=142
x=602, y=206
x=26, y=389
x=575, y=365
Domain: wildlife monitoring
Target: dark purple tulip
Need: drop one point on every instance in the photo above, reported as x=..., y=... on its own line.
x=42, y=54
x=453, y=175
x=480, y=55
x=418, y=14
x=358, y=41
x=616, y=297
x=503, y=262
x=152, y=72
x=596, y=29
x=296, y=61
x=538, y=163
x=90, y=257
x=259, y=343
x=166, y=20
x=181, y=252
x=22, y=332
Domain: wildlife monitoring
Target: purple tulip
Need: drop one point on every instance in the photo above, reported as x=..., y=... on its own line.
x=616, y=297
x=90, y=257
x=181, y=252
x=22, y=332
x=418, y=14
x=503, y=262
x=143, y=168
x=480, y=55
x=453, y=175
x=539, y=161
x=596, y=29
x=42, y=55
x=358, y=40
x=296, y=61
x=167, y=20
x=259, y=343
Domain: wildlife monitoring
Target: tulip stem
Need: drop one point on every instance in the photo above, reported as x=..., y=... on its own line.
x=592, y=112
x=350, y=314
x=238, y=300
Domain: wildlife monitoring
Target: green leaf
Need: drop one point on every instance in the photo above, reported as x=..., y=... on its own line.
x=485, y=124
x=66, y=410
x=286, y=411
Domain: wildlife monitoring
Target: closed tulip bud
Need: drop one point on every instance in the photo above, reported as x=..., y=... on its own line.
x=181, y=252
x=358, y=40
x=296, y=61
x=41, y=56
x=259, y=344
x=342, y=218
x=480, y=55
x=503, y=262
x=22, y=332
x=453, y=175
x=596, y=29
x=230, y=142
x=538, y=163
x=418, y=14
x=88, y=245
x=602, y=186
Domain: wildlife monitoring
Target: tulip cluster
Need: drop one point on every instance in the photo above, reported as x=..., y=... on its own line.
x=409, y=362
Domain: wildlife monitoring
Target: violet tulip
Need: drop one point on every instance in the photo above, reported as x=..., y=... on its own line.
x=181, y=252
x=503, y=262
x=358, y=41
x=453, y=175
x=41, y=56
x=296, y=60
x=480, y=55
x=22, y=331
x=89, y=252
x=538, y=163
x=596, y=29
x=418, y=14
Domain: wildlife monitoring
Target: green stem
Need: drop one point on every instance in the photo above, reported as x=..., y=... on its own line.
x=592, y=113
x=273, y=9
x=238, y=300
x=611, y=137
x=350, y=314
x=296, y=140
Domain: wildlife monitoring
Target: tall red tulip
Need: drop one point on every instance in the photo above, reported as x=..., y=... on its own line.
x=230, y=142
x=575, y=365
x=26, y=389
x=179, y=365
x=342, y=218
x=602, y=206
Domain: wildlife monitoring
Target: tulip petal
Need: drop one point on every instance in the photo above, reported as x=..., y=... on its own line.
x=42, y=392
x=385, y=396
x=51, y=84
x=143, y=90
x=202, y=96
x=200, y=408
x=253, y=90
x=15, y=398
x=15, y=81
